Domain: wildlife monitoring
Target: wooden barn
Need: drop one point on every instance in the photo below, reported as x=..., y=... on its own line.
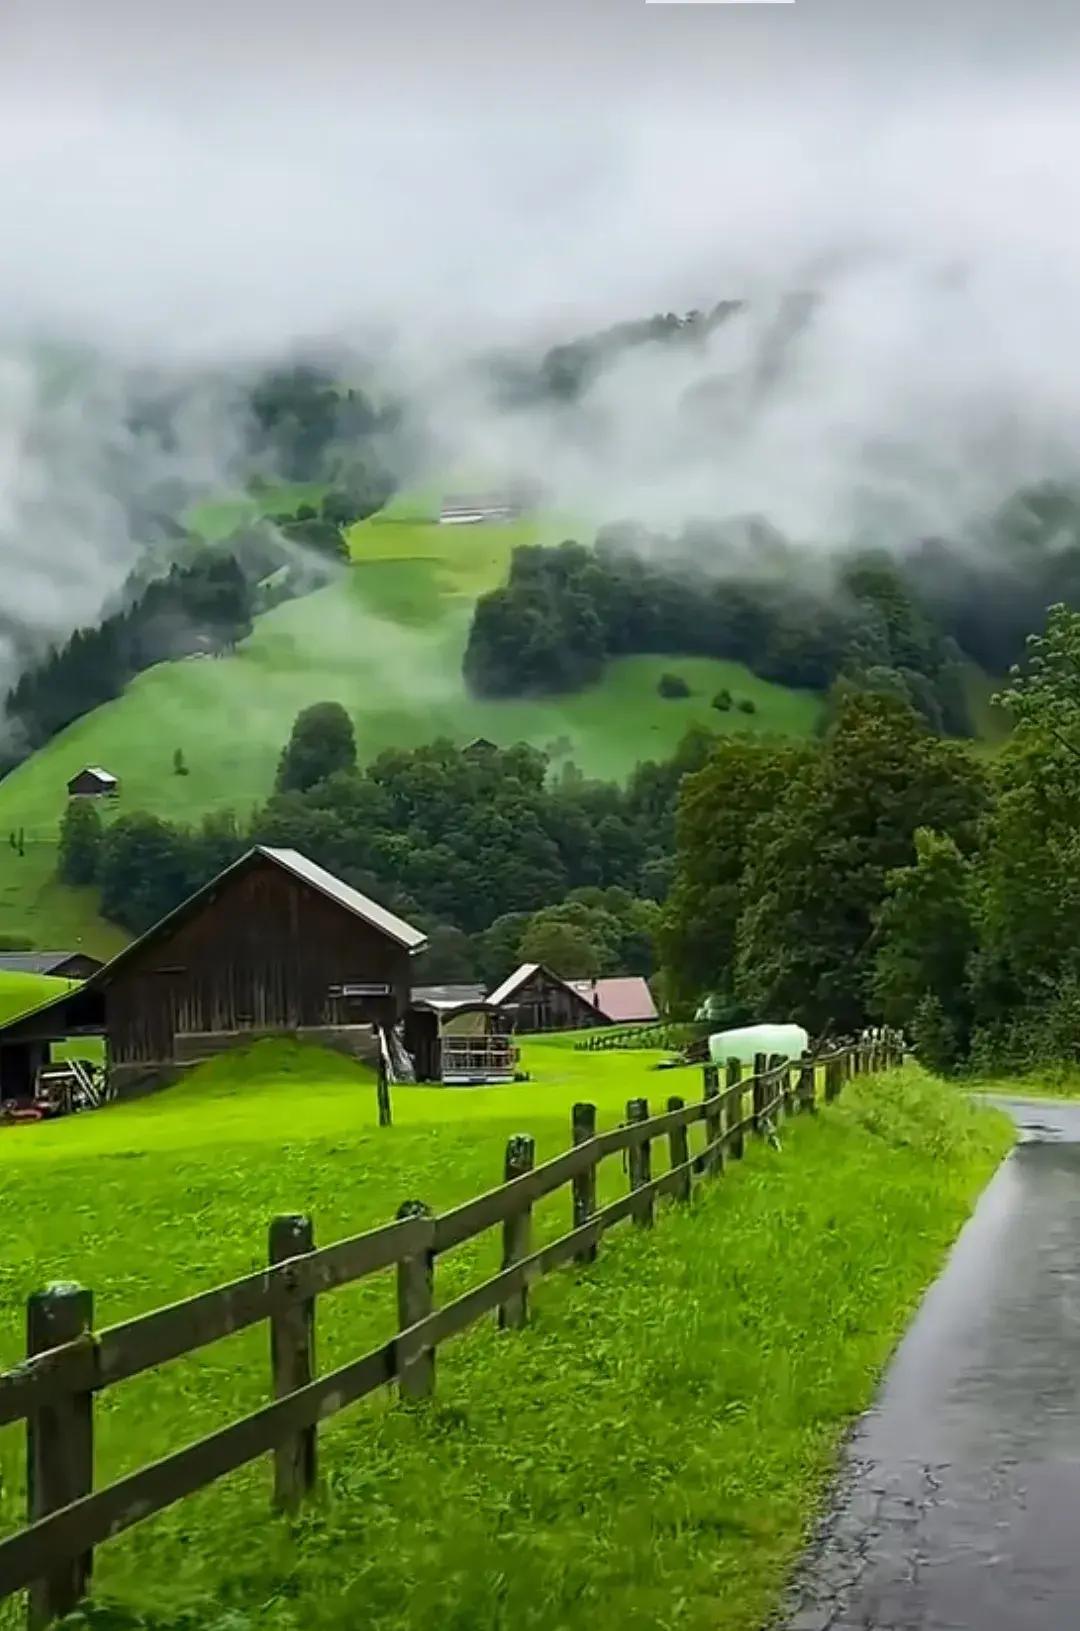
x=544, y=1002
x=93, y=782
x=274, y=944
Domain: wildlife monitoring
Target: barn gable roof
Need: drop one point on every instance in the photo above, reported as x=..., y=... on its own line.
x=624, y=998
x=513, y=982
x=316, y=877
x=343, y=894
x=522, y=975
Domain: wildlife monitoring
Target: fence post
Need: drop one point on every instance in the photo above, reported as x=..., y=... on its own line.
x=761, y=1088
x=517, y=1230
x=807, y=1094
x=679, y=1149
x=778, y=1085
x=640, y=1161
x=382, y=1094
x=834, y=1077
x=59, y=1446
x=733, y=1112
x=712, y=1158
x=582, y=1129
x=415, y=1301
x=292, y=1364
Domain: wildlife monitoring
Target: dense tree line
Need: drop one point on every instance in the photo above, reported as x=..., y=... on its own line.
x=455, y=838
x=566, y=610
x=564, y=373
x=206, y=605
x=883, y=874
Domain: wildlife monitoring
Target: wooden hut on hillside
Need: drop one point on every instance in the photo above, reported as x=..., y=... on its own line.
x=274, y=944
x=93, y=782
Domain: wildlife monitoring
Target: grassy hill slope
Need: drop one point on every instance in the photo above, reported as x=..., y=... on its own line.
x=20, y=992
x=387, y=642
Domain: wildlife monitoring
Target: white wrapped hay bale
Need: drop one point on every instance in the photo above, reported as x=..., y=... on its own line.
x=789, y=1041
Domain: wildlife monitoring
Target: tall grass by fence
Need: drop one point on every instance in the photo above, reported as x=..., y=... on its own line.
x=68, y=1362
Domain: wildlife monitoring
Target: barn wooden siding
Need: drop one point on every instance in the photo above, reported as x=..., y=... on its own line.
x=262, y=953
x=546, y=1003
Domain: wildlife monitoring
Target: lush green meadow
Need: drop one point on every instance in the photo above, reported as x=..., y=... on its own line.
x=387, y=642
x=649, y=1451
x=19, y=992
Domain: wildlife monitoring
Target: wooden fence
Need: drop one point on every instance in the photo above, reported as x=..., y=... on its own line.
x=68, y=1362
x=654, y=1034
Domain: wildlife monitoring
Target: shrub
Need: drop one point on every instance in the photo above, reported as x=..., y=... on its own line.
x=747, y=705
x=722, y=700
x=672, y=685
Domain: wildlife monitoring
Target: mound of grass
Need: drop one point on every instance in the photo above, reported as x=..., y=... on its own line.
x=20, y=992
x=648, y=1452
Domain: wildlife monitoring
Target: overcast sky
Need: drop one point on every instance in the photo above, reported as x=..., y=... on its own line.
x=219, y=173
x=216, y=181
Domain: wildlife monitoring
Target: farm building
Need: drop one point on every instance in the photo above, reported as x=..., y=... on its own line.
x=623, y=999
x=462, y=1034
x=469, y=509
x=274, y=944
x=63, y=965
x=544, y=1002
x=93, y=782
x=456, y=1035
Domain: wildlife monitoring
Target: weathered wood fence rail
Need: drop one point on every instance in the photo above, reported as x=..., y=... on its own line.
x=68, y=1362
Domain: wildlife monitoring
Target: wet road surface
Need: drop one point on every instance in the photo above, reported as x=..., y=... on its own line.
x=958, y=1504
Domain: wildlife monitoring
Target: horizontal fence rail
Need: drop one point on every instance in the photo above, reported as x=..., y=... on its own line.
x=68, y=1362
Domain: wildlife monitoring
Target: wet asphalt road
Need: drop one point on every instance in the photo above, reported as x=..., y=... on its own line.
x=958, y=1504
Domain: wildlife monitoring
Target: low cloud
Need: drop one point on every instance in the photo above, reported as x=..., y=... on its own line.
x=191, y=196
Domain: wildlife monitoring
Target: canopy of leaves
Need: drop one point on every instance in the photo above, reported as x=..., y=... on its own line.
x=564, y=611
x=322, y=742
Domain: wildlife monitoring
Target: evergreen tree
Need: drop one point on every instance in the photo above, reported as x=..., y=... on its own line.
x=81, y=835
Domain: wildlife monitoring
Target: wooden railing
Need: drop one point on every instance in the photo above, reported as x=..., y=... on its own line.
x=68, y=1362
x=655, y=1034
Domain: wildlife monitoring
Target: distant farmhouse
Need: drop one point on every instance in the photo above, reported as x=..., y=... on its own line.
x=93, y=782
x=468, y=509
x=506, y=504
x=623, y=999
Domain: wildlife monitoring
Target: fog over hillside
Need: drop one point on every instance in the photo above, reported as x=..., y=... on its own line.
x=193, y=190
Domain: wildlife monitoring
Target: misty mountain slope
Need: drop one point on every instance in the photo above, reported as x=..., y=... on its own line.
x=387, y=642
x=214, y=519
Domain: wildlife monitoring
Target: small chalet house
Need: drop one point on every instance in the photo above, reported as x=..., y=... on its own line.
x=93, y=782
x=544, y=1002
x=274, y=944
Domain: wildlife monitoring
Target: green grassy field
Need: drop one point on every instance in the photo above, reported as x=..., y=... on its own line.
x=387, y=642
x=216, y=518
x=649, y=1452
x=19, y=992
